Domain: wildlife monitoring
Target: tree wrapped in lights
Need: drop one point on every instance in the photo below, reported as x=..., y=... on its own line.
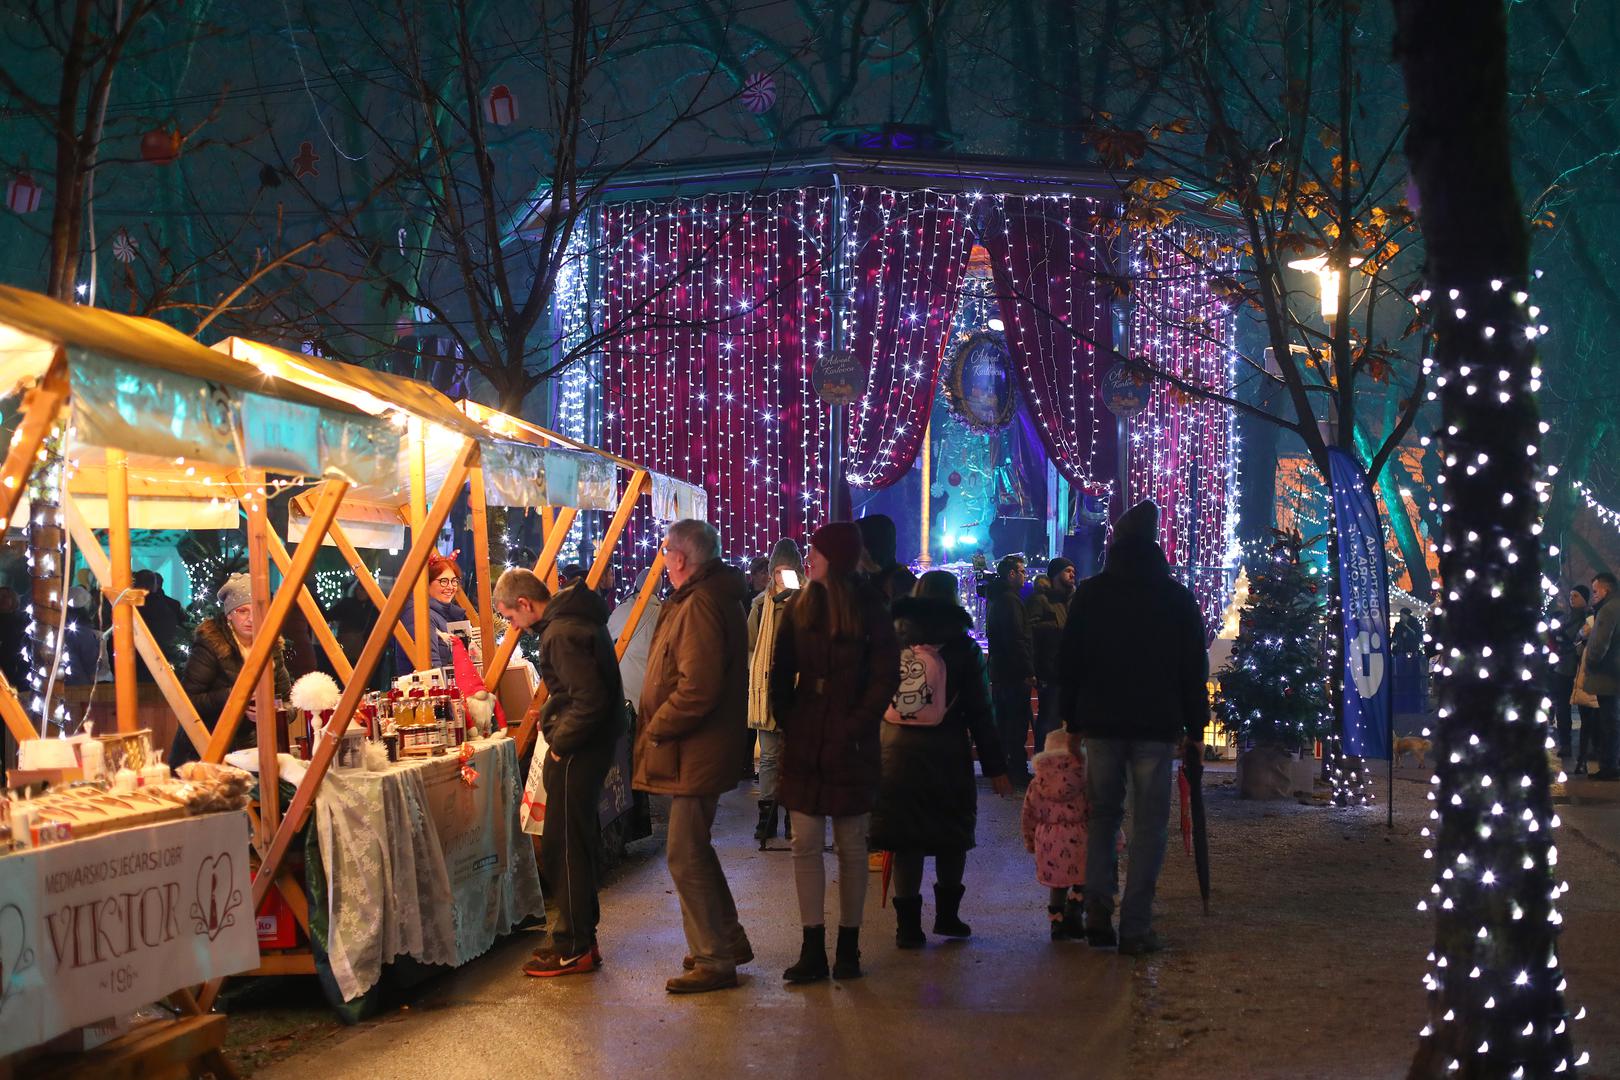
x=1272, y=691
x=1496, y=987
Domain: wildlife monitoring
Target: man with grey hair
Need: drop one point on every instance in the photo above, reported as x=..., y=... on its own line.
x=690, y=744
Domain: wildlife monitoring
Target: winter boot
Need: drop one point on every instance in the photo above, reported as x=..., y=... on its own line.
x=847, y=960
x=812, y=965
x=1074, y=913
x=766, y=829
x=947, y=901
x=1060, y=927
x=908, y=931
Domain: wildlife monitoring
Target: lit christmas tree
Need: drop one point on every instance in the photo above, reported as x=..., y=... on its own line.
x=1272, y=690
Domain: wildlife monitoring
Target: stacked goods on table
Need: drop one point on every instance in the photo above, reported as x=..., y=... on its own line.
x=114, y=794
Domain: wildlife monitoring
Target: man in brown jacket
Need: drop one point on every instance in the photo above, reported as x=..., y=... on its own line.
x=690, y=745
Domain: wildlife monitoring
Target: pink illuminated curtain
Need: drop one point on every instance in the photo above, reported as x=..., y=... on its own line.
x=1183, y=449
x=719, y=306
x=1059, y=332
x=910, y=251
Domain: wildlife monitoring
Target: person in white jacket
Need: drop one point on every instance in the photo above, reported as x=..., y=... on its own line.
x=633, y=665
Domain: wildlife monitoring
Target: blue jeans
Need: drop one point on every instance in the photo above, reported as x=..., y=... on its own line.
x=1110, y=764
x=770, y=757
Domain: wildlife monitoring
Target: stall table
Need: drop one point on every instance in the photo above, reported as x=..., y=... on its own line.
x=418, y=864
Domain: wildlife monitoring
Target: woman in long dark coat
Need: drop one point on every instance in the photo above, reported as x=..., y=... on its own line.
x=927, y=802
x=835, y=669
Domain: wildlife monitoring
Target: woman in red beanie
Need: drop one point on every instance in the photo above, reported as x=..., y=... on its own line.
x=835, y=670
x=444, y=580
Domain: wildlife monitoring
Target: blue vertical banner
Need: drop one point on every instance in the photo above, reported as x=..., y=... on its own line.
x=1364, y=587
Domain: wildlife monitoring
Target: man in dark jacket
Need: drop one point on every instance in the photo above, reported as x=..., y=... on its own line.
x=1602, y=678
x=164, y=617
x=1134, y=664
x=1012, y=661
x=887, y=574
x=689, y=742
x=1048, y=609
x=581, y=720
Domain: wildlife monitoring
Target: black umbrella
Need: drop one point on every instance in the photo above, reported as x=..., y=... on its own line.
x=1192, y=770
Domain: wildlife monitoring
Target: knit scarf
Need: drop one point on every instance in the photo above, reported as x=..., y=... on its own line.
x=759, y=668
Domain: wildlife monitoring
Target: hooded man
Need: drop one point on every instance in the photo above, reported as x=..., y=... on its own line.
x=582, y=720
x=1133, y=662
x=888, y=575
x=1048, y=609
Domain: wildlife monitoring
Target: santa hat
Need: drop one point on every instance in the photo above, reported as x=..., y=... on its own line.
x=840, y=544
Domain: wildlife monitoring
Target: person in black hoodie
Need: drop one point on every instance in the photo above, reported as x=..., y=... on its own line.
x=882, y=567
x=928, y=799
x=581, y=720
x=1134, y=663
x=1012, y=661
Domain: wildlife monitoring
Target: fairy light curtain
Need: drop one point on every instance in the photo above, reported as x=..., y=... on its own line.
x=717, y=308
x=1049, y=276
x=909, y=253
x=1183, y=448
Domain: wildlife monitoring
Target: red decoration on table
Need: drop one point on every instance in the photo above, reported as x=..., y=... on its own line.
x=160, y=146
x=469, y=775
x=22, y=194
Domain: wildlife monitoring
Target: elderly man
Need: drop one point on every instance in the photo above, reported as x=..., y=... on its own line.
x=582, y=719
x=689, y=742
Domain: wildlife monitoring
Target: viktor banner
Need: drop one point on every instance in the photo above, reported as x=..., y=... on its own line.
x=1364, y=586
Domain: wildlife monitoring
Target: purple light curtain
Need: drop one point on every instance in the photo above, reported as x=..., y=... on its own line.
x=1059, y=331
x=909, y=253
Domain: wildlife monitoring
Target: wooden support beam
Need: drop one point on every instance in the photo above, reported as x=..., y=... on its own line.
x=420, y=622
x=16, y=717
x=530, y=721
x=548, y=526
x=483, y=572
x=362, y=573
x=643, y=598
x=41, y=405
x=312, y=610
x=264, y=687
x=123, y=612
x=498, y=657
x=621, y=517
x=264, y=637
x=84, y=538
x=415, y=563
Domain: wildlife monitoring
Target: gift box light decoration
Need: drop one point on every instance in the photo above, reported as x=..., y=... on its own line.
x=1496, y=987
x=23, y=194
x=160, y=146
x=500, y=106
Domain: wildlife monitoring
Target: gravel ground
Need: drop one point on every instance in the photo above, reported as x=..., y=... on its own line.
x=1310, y=963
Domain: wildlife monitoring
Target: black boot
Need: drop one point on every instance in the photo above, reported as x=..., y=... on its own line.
x=787, y=825
x=1100, y=927
x=1074, y=914
x=1060, y=927
x=812, y=965
x=766, y=829
x=908, y=931
x=847, y=960
x=947, y=902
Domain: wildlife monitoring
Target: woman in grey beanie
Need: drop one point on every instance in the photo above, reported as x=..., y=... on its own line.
x=216, y=660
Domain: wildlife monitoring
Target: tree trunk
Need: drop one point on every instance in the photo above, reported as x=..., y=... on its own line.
x=1496, y=1000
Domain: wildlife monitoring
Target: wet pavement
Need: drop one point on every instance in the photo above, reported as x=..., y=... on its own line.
x=1007, y=1003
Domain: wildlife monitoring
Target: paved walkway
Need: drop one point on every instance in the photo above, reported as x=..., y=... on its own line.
x=1008, y=1003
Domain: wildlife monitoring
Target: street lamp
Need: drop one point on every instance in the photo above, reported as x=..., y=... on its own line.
x=1327, y=279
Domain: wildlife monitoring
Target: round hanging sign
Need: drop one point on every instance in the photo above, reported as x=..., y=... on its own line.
x=979, y=381
x=759, y=92
x=838, y=378
x=1126, y=390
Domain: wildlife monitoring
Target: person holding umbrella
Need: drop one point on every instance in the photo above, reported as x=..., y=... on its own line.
x=1134, y=663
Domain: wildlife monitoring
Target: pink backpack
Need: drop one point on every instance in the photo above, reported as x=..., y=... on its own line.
x=919, y=701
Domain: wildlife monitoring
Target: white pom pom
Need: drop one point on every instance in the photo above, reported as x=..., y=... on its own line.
x=315, y=692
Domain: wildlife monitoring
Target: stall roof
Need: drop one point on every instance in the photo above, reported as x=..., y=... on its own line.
x=52, y=323
x=366, y=389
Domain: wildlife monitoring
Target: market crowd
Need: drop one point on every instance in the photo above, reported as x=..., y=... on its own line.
x=870, y=700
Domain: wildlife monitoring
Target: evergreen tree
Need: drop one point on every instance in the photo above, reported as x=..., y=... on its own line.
x=1272, y=690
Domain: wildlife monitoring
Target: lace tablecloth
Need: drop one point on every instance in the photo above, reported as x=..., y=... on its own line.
x=419, y=864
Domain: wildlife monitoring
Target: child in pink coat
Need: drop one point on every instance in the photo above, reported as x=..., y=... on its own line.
x=1054, y=823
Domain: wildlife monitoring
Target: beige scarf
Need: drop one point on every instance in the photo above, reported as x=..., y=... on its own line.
x=759, y=668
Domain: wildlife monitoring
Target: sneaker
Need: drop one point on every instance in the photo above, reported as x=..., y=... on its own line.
x=1149, y=942
x=701, y=980
x=546, y=950
x=550, y=965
